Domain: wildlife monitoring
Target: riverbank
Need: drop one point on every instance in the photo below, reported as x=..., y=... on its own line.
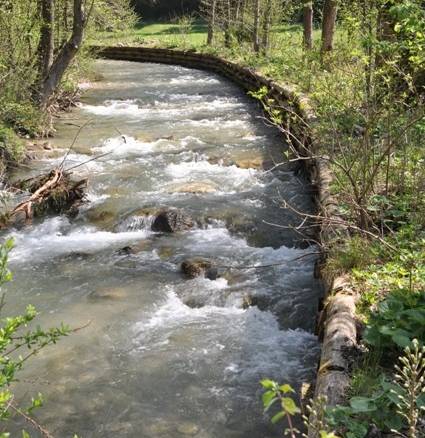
x=384, y=260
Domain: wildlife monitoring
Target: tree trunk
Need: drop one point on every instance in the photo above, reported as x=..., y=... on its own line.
x=330, y=9
x=65, y=56
x=227, y=24
x=266, y=26
x=211, y=22
x=256, y=35
x=46, y=45
x=308, y=25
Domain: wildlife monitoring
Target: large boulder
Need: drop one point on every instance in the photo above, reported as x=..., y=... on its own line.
x=197, y=267
x=171, y=221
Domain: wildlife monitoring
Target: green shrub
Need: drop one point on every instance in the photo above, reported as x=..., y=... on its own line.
x=23, y=117
x=12, y=148
x=397, y=321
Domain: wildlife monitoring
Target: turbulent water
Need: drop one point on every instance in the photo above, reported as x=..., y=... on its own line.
x=164, y=356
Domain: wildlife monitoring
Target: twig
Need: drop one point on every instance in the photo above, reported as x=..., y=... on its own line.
x=44, y=432
x=271, y=265
x=88, y=161
x=73, y=142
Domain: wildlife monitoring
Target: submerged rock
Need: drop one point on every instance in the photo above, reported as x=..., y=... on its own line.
x=171, y=221
x=108, y=293
x=143, y=245
x=188, y=429
x=250, y=163
x=194, y=187
x=101, y=218
x=198, y=267
x=252, y=159
x=165, y=252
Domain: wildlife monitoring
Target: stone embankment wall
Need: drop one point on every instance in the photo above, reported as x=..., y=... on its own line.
x=337, y=326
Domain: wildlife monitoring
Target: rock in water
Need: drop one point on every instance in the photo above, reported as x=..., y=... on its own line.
x=193, y=268
x=108, y=293
x=171, y=221
x=188, y=429
x=199, y=187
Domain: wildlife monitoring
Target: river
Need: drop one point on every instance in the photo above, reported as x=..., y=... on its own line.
x=164, y=356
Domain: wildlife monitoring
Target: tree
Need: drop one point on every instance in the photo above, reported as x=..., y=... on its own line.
x=267, y=21
x=46, y=45
x=330, y=9
x=256, y=34
x=308, y=25
x=65, y=56
x=211, y=21
x=227, y=23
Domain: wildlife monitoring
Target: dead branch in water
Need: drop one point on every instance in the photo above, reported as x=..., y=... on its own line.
x=54, y=192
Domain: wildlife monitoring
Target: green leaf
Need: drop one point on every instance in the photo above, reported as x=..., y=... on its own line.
x=268, y=384
x=420, y=401
x=401, y=340
x=269, y=398
x=289, y=406
x=286, y=388
x=278, y=417
x=362, y=404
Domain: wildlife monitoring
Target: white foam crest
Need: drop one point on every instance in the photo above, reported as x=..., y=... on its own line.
x=253, y=137
x=191, y=79
x=73, y=159
x=265, y=348
x=250, y=340
x=173, y=312
x=125, y=145
x=112, y=107
x=159, y=109
x=229, y=178
x=56, y=237
x=191, y=139
x=94, y=198
x=202, y=239
x=217, y=123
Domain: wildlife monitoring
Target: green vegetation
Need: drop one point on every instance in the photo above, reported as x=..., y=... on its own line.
x=393, y=404
x=12, y=148
x=161, y=34
x=41, y=61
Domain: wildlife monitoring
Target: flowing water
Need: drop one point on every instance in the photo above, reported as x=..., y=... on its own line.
x=165, y=356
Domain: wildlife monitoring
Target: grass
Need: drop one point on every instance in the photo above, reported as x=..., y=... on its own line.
x=155, y=34
x=282, y=62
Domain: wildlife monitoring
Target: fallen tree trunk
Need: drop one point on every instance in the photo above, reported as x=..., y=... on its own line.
x=52, y=193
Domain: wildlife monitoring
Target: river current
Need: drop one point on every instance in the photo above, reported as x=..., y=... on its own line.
x=164, y=356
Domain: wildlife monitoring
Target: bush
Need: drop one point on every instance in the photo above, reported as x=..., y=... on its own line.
x=23, y=117
x=12, y=148
x=397, y=321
